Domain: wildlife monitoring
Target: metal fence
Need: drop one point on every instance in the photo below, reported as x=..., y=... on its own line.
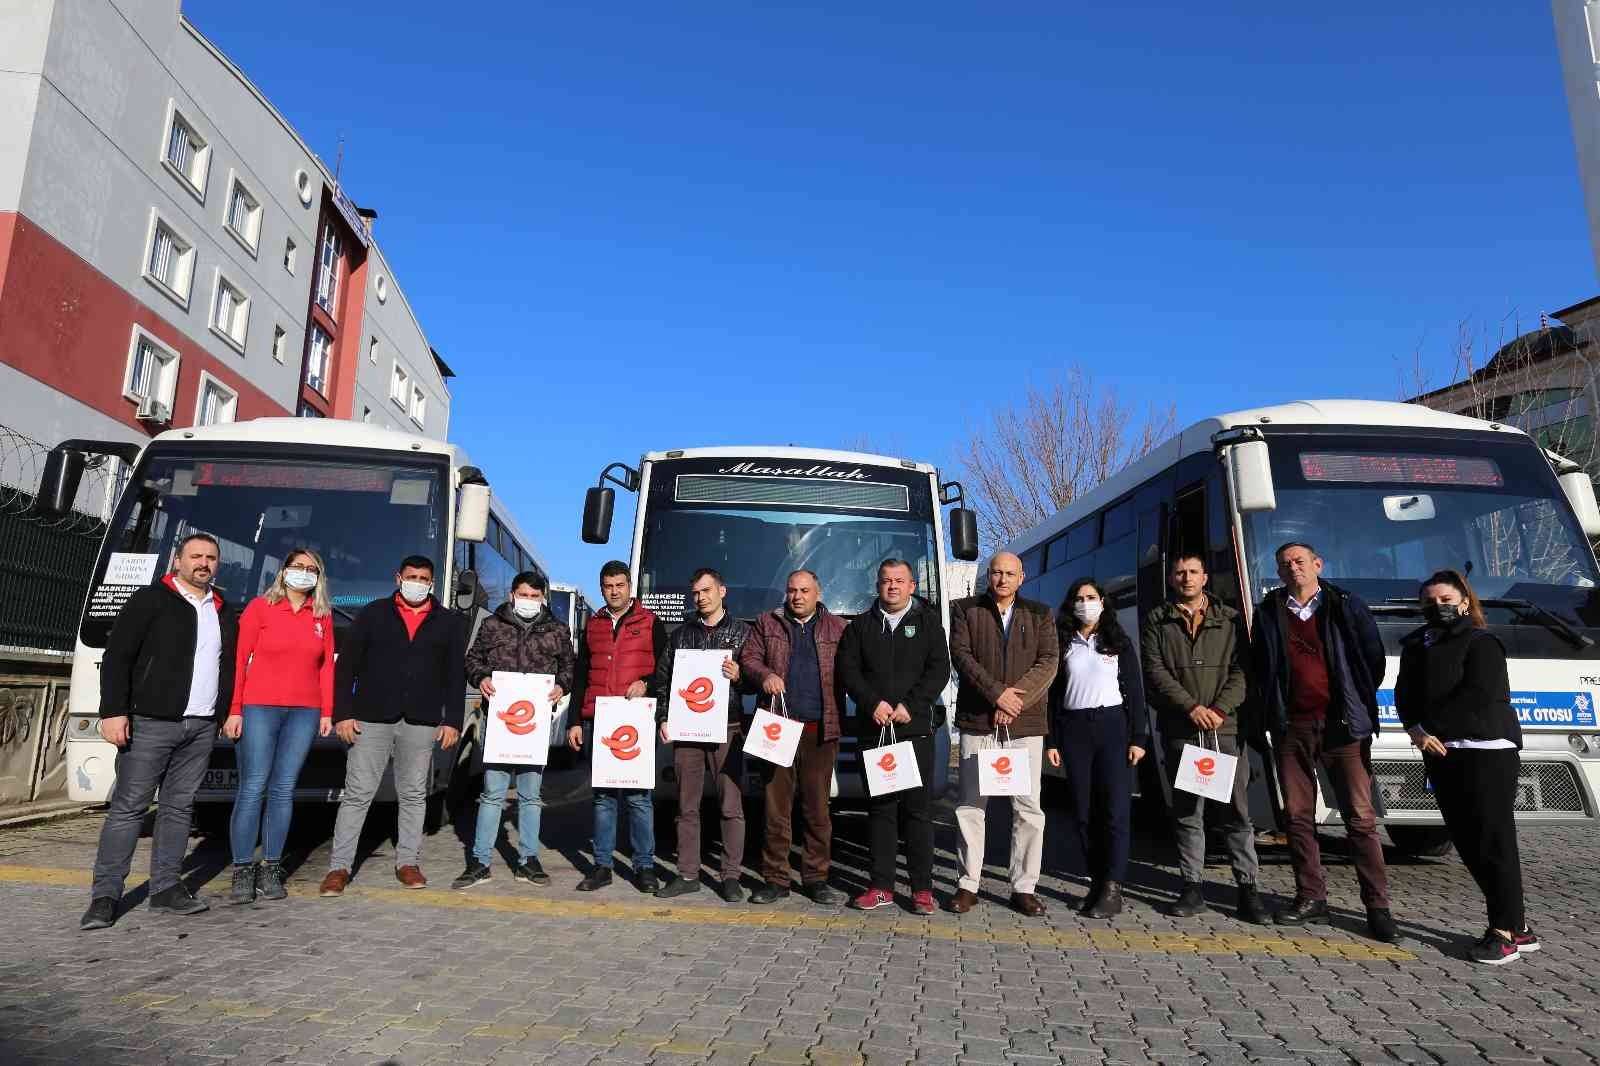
x=45, y=565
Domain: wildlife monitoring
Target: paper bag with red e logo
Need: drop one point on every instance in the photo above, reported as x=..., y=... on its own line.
x=1207, y=772
x=891, y=767
x=772, y=737
x=624, y=743
x=697, y=704
x=1004, y=771
x=517, y=723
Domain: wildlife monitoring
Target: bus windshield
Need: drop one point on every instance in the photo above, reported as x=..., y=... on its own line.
x=1384, y=513
x=363, y=516
x=756, y=530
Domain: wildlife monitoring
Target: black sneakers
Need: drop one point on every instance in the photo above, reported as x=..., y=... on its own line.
x=1380, y=923
x=269, y=882
x=1492, y=949
x=822, y=894
x=732, y=891
x=1526, y=941
x=769, y=893
x=648, y=880
x=177, y=900
x=474, y=875
x=243, y=889
x=1189, y=902
x=531, y=872
x=678, y=886
x=1251, y=909
x=598, y=878
x=1304, y=912
x=102, y=914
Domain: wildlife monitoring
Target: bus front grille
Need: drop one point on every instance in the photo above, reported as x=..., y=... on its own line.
x=1542, y=787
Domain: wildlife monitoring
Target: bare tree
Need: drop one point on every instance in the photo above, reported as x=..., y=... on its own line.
x=1052, y=446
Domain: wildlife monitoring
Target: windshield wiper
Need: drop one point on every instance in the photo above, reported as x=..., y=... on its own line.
x=1552, y=621
x=1396, y=605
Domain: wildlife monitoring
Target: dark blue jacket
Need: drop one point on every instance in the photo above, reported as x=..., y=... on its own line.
x=1355, y=664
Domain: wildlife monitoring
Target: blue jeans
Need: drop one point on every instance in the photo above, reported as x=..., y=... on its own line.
x=270, y=751
x=492, y=804
x=641, y=825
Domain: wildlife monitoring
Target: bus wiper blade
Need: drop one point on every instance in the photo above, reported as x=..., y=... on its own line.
x=1551, y=620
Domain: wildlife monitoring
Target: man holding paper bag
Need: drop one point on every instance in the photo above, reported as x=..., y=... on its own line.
x=521, y=637
x=790, y=659
x=894, y=662
x=1004, y=648
x=693, y=693
x=1194, y=680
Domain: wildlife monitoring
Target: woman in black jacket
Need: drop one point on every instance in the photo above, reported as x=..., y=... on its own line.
x=1454, y=698
x=1099, y=724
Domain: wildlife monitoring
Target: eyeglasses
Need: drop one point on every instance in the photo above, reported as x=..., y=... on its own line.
x=304, y=568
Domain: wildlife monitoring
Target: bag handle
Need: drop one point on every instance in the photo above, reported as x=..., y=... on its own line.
x=778, y=699
x=889, y=729
x=994, y=738
x=1216, y=743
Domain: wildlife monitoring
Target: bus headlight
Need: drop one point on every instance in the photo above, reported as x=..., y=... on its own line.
x=1576, y=742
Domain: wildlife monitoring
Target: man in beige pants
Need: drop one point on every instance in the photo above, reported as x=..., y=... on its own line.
x=1005, y=653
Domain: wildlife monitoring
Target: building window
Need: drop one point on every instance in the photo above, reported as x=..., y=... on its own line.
x=186, y=154
x=280, y=343
x=328, y=270
x=419, y=406
x=399, y=386
x=217, y=403
x=372, y=351
x=244, y=217
x=151, y=378
x=230, y=313
x=305, y=410
x=289, y=251
x=170, y=261
x=317, y=360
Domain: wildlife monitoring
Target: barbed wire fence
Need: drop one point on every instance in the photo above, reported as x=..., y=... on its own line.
x=45, y=562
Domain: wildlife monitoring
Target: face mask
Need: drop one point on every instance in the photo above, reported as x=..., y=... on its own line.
x=1088, y=611
x=1442, y=614
x=414, y=592
x=300, y=580
x=527, y=609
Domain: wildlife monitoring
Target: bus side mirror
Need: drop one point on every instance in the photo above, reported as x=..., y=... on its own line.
x=58, y=486
x=964, y=534
x=1250, y=470
x=472, y=512
x=1580, y=493
x=469, y=591
x=598, y=503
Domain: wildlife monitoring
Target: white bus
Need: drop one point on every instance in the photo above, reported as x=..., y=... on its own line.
x=755, y=514
x=1387, y=493
x=363, y=497
x=567, y=603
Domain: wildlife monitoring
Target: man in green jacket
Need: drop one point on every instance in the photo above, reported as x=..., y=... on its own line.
x=1194, y=681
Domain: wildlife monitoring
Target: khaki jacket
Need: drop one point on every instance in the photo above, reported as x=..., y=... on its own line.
x=1180, y=671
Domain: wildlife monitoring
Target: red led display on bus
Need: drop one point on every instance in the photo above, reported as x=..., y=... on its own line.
x=316, y=477
x=1400, y=469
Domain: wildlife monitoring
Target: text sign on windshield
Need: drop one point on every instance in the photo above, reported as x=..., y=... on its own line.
x=316, y=477
x=1400, y=469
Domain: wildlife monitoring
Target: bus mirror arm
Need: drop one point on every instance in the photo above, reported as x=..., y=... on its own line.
x=963, y=522
x=601, y=500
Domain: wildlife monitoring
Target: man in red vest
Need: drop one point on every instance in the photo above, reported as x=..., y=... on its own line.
x=1318, y=660
x=617, y=657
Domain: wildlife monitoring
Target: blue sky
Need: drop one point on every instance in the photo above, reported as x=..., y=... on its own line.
x=658, y=226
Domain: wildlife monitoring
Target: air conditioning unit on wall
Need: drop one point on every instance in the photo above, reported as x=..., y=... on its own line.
x=153, y=410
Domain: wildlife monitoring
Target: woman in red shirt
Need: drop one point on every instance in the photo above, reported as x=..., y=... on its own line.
x=282, y=698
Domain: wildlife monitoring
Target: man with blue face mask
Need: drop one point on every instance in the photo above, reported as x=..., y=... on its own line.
x=521, y=637
x=396, y=692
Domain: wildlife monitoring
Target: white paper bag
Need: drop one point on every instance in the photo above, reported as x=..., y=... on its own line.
x=517, y=725
x=772, y=737
x=624, y=743
x=1207, y=773
x=1004, y=771
x=891, y=767
x=697, y=703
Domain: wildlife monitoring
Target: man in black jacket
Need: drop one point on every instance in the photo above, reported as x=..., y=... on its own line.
x=165, y=683
x=712, y=628
x=1318, y=661
x=396, y=691
x=894, y=662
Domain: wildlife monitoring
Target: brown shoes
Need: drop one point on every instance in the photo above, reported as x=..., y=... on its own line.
x=333, y=884
x=1027, y=904
x=410, y=877
x=962, y=902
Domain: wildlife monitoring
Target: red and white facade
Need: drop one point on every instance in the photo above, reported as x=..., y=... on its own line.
x=171, y=252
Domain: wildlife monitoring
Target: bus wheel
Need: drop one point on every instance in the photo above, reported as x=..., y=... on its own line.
x=1420, y=841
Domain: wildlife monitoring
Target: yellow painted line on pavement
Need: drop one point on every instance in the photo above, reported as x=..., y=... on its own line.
x=1108, y=939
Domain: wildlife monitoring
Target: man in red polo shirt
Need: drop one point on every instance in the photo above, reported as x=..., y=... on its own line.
x=1318, y=661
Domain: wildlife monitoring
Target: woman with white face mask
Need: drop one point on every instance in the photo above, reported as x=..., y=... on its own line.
x=282, y=698
x=1100, y=728
x=521, y=637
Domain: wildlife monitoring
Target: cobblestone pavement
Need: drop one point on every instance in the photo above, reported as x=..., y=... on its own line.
x=509, y=973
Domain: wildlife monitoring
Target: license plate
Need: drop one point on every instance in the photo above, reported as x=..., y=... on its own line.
x=220, y=781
